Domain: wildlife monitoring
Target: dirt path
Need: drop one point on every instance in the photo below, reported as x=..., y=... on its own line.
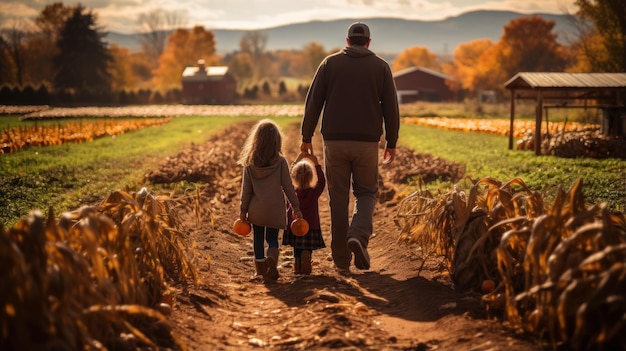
x=390, y=307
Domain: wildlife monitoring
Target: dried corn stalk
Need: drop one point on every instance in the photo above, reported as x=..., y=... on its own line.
x=15, y=139
x=564, y=274
x=560, y=269
x=91, y=280
x=456, y=225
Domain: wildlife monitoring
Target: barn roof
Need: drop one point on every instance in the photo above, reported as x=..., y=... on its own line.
x=201, y=73
x=533, y=80
x=422, y=69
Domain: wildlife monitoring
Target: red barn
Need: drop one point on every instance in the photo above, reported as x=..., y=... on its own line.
x=208, y=85
x=418, y=83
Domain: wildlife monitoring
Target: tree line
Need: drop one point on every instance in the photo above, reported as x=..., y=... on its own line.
x=62, y=56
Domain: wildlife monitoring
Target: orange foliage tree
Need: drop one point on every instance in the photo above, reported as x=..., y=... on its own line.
x=416, y=56
x=293, y=63
x=528, y=44
x=121, y=70
x=184, y=48
x=466, y=58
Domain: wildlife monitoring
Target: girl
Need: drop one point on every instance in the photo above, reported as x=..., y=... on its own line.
x=264, y=186
x=309, y=181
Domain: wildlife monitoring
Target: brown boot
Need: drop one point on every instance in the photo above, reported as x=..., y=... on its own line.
x=271, y=263
x=297, y=265
x=306, y=262
x=260, y=268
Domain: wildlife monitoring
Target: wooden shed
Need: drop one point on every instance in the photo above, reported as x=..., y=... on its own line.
x=606, y=91
x=419, y=83
x=208, y=85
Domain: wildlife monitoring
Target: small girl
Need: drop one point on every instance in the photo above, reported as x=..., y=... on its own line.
x=309, y=181
x=264, y=186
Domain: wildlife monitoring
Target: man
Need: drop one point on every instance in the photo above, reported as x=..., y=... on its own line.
x=356, y=91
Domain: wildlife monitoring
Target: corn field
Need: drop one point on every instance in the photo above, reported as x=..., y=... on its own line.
x=15, y=139
x=559, y=268
x=97, y=278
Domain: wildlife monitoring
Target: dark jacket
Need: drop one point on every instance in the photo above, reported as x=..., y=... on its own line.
x=356, y=91
x=309, y=200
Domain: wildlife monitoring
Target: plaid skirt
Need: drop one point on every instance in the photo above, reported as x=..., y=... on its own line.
x=310, y=241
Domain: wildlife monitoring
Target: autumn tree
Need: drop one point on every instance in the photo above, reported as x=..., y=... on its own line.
x=52, y=18
x=467, y=60
x=7, y=72
x=141, y=67
x=121, y=70
x=314, y=53
x=83, y=58
x=293, y=63
x=184, y=48
x=601, y=44
x=12, y=41
x=527, y=44
x=241, y=67
x=154, y=29
x=254, y=43
x=416, y=56
x=41, y=47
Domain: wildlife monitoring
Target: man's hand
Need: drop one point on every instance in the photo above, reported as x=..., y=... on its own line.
x=306, y=148
x=389, y=156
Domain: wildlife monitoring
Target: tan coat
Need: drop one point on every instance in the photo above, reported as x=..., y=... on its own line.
x=263, y=192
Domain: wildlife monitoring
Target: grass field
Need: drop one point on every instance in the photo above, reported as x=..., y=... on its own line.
x=69, y=175
x=488, y=155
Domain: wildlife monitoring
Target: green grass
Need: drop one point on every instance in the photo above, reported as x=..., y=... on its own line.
x=488, y=155
x=67, y=176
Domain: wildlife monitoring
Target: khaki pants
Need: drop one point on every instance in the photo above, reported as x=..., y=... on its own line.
x=350, y=163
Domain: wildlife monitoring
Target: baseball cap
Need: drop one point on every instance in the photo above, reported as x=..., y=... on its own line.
x=358, y=29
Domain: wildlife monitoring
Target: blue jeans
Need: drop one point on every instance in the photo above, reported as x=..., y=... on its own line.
x=350, y=164
x=261, y=235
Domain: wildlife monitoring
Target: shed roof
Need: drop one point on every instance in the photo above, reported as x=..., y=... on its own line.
x=604, y=89
x=534, y=80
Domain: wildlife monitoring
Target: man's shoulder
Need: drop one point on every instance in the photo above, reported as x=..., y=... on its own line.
x=335, y=55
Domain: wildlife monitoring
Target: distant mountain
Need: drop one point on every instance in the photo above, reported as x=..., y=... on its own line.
x=390, y=36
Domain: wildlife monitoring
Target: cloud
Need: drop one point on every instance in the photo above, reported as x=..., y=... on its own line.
x=121, y=15
x=13, y=11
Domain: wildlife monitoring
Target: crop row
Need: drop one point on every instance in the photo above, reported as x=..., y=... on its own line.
x=521, y=128
x=15, y=139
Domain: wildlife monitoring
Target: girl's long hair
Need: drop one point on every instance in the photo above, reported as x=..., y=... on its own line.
x=263, y=145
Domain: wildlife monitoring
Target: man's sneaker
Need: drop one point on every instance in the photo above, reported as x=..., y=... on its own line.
x=361, y=257
x=343, y=270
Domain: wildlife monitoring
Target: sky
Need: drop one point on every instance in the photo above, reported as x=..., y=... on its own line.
x=122, y=15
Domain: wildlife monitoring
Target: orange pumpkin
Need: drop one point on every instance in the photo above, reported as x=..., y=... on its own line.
x=299, y=227
x=242, y=227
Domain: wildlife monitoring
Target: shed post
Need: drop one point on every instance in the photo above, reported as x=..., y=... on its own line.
x=538, y=118
x=512, y=119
